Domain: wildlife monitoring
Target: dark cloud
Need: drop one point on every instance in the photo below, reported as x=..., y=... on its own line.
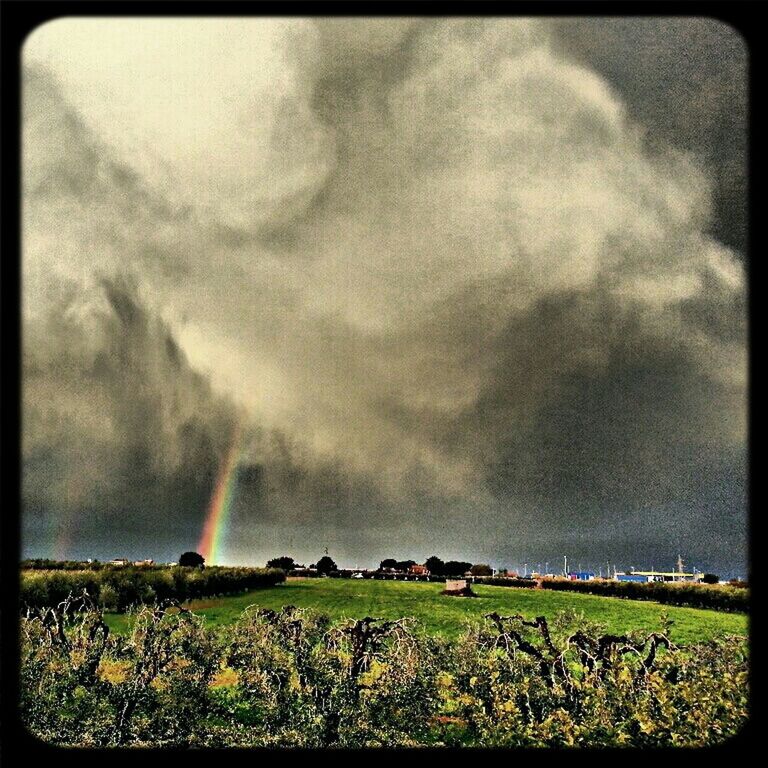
x=485, y=315
x=685, y=80
x=125, y=440
x=117, y=427
x=627, y=419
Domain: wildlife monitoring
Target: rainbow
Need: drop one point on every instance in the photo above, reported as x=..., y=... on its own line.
x=220, y=505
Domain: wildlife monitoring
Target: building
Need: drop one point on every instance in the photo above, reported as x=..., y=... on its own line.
x=303, y=572
x=581, y=575
x=679, y=574
x=651, y=576
x=121, y=561
x=419, y=570
x=144, y=562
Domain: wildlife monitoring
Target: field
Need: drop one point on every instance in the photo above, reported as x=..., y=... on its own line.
x=447, y=616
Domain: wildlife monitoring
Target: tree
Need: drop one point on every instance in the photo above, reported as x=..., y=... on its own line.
x=192, y=560
x=404, y=565
x=284, y=562
x=481, y=569
x=456, y=568
x=325, y=564
x=390, y=562
x=710, y=578
x=435, y=565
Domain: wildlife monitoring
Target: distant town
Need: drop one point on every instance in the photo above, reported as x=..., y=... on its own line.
x=434, y=567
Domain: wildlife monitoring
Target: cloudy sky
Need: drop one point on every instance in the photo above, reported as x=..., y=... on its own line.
x=472, y=287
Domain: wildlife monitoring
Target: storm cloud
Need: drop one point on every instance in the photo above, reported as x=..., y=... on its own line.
x=458, y=295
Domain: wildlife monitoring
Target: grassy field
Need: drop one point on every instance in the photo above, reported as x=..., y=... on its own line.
x=352, y=598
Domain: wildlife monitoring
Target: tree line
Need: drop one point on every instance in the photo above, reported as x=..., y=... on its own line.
x=435, y=565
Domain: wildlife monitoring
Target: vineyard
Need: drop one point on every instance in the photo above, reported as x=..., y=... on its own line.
x=294, y=677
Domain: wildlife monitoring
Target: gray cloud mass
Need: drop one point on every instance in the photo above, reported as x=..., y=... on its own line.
x=464, y=284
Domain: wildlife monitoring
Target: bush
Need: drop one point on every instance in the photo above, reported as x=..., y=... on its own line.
x=292, y=678
x=729, y=598
x=117, y=589
x=507, y=581
x=719, y=598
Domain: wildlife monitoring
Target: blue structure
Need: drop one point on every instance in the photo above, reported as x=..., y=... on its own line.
x=581, y=576
x=631, y=577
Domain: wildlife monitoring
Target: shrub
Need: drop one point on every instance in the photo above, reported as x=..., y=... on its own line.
x=117, y=589
x=507, y=581
x=729, y=598
x=292, y=678
x=719, y=598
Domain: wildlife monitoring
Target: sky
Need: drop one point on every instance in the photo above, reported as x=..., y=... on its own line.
x=472, y=287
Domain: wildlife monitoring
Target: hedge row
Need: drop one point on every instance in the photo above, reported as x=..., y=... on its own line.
x=715, y=597
x=504, y=581
x=119, y=588
x=44, y=564
x=295, y=679
x=719, y=598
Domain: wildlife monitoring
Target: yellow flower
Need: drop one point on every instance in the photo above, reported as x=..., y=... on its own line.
x=113, y=671
x=224, y=678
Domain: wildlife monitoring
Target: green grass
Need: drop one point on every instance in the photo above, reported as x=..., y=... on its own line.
x=447, y=616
